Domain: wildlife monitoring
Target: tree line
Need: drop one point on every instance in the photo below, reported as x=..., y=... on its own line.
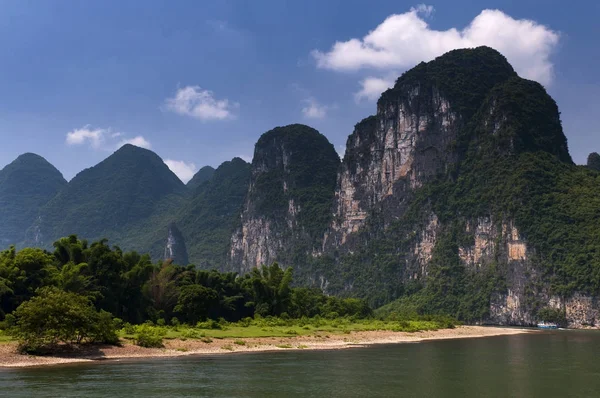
x=98, y=283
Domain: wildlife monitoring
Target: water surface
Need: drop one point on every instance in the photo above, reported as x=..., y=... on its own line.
x=550, y=364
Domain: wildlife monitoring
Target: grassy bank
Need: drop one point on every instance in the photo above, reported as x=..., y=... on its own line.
x=278, y=327
x=273, y=327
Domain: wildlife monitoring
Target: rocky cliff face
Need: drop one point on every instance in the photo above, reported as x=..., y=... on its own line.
x=390, y=155
x=175, y=248
x=417, y=188
x=293, y=175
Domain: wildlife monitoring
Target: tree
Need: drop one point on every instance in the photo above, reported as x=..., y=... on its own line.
x=271, y=289
x=195, y=302
x=55, y=316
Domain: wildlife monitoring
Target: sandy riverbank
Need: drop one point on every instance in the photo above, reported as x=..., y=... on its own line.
x=10, y=358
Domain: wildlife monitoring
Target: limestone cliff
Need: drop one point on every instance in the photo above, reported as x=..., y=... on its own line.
x=288, y=201
x=175, y=249
x=447, y=192
x=456, y=197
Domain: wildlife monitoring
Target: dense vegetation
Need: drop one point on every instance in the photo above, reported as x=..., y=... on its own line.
x=82, y=293
x=25, y=185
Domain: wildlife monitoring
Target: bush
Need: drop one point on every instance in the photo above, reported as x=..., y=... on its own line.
x=9, y=322
x=128, y=328
x=149, y=337
x=104, y=329
x=209, y=324
x=56, y=316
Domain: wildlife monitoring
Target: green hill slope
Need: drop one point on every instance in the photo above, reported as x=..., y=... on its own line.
x=26, y=184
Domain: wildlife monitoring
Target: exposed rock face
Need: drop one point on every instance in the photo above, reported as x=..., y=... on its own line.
x=390, y=155
x=175, y=249
x=293, y=169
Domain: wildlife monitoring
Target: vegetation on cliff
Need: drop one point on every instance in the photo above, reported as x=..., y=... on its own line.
x=211, y=215
x=297, y=163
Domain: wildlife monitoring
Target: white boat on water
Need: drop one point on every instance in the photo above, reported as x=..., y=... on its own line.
x=547, y=325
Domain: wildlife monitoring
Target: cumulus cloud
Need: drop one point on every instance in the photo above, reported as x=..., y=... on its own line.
x=184, y=170
x=103, y=138
x=201, y=104
x=314, y=110
x=137, y=141
x=372, y=87
x=86, y=134
x=403, y=40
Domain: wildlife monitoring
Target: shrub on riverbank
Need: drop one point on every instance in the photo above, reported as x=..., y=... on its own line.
x=149, y=336
x=55, y=316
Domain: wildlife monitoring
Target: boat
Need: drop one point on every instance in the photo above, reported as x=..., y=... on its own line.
x=547, y=325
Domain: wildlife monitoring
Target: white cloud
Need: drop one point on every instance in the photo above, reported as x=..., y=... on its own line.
x=372, y=87
x=423, y=9
x=314, y=110
x=86, y=134
x=200, y=104
x=403, y=40
x=137, y=141
x=184, y=170
x=103, y=139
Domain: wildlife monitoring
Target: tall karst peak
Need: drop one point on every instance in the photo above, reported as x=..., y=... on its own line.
x=293, y=179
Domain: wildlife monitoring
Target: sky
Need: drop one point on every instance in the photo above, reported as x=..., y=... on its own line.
x=198, y=82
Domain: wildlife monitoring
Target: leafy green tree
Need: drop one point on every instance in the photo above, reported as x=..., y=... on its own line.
x=271, y=289
x=56, y=316
x=195, y=302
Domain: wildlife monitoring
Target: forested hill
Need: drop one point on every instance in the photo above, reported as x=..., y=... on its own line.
x=26, y=184
x=119, y=191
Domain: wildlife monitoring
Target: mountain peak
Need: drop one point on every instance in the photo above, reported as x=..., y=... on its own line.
x=117, y=192
x=26, y=184
x=203, y=175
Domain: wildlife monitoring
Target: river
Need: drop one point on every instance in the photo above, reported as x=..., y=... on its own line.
x=549, y=364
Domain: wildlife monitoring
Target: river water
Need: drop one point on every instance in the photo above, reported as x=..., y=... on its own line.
x=548, y=364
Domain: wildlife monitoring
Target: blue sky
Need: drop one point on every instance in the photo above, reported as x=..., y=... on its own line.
x=198, y=82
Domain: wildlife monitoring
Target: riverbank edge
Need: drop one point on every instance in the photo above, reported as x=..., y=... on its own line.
x=9, y=358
